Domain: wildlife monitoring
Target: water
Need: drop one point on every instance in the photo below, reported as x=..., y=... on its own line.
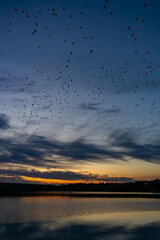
x=57, y=217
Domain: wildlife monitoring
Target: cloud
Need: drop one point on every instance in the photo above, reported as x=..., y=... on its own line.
x=4, y=122
x=116, y=179
x=43, y=152
x=96, y=107
x=39, y=151
x=45, y=107
x=61, y=175
x=149, y=152
x=89, y=106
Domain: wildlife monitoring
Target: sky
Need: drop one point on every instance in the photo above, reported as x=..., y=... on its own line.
x=79, y=91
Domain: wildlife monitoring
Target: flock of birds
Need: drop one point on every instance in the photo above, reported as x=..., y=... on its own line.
x=96, y=99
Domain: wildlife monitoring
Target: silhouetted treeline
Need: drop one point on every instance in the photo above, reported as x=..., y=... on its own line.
x=138, y=186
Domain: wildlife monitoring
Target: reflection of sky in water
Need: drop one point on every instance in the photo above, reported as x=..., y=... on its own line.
x=79, y=218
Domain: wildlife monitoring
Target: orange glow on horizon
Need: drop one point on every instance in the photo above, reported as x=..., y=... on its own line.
x=59, y=181
x=54, y=181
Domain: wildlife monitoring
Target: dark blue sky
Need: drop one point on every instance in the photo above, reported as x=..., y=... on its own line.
x=79, y=84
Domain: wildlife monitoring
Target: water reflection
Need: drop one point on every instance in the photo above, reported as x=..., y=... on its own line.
x=45, y=218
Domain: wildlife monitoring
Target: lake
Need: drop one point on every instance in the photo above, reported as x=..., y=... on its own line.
x=63, y=217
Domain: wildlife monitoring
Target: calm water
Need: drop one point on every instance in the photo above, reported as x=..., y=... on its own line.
x=46, y=218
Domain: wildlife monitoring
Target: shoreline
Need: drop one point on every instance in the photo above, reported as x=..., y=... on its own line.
x=82, y=194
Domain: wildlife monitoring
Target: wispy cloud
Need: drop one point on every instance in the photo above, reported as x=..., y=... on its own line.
x=97, y=107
